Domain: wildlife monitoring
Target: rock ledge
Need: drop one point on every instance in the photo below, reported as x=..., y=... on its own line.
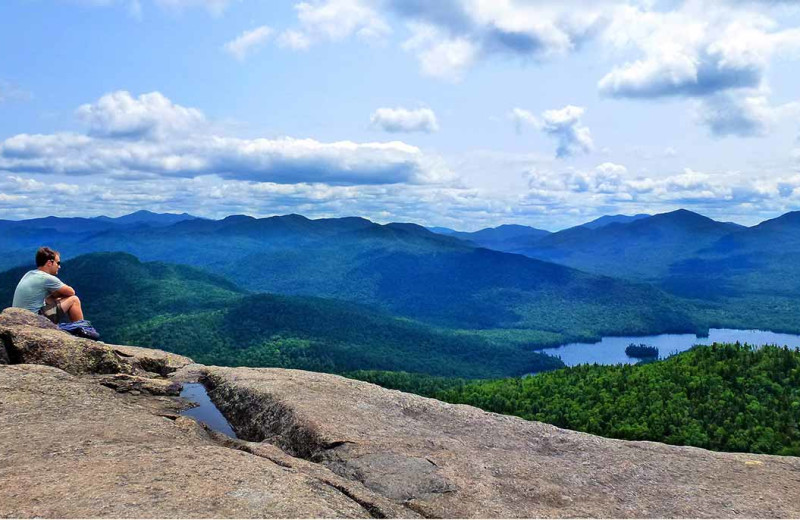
x=94, y=430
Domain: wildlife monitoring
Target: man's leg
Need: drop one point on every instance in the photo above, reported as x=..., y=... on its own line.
x=71, y=307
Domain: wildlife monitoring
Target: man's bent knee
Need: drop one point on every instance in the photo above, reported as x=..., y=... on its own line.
x=72, y=307
x=68, y=302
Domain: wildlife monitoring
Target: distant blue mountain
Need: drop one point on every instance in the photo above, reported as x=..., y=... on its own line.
x=777, y=235
x=643, y=248
x=614, y=219
x=147, y=217
x=760, y=261
x=57, y=224
x=507, y=237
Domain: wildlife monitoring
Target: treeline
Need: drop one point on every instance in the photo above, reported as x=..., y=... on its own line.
x=721, y=397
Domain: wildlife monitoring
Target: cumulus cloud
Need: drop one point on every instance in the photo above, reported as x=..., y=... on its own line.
x=726, y=114
x=334, y=20
x=700, y=49
x=612, y=188
x=404, y=120
x=565, y=125
x=440, y=56
x=449, y=36
x=607, y=189
x=604, y=178
x=149, y=136
x=742, y=114
x=248, y=42
x=152, y=115
x=285, y=160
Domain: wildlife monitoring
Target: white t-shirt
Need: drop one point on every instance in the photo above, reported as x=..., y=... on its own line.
x=34, y=287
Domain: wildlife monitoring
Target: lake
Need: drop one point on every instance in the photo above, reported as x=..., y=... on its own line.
x=611, y=350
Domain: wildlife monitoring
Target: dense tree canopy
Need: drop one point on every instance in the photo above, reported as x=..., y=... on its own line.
x=721, y=397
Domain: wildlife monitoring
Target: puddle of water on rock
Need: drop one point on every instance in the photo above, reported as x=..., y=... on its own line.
x=205, y=411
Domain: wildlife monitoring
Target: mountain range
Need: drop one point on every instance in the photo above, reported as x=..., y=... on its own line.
x=737, y=275
x=403, y=269
x=677, y=271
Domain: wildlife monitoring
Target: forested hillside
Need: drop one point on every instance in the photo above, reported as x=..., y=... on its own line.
x=642, y=248
x=187, y=311
x=720, y=397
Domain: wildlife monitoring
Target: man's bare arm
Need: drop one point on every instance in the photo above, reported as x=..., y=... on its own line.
x=64, y=292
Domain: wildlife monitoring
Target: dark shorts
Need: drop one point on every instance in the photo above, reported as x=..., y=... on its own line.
x=52, y=312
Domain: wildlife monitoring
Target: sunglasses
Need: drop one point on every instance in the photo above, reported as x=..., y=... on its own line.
x=59, y=263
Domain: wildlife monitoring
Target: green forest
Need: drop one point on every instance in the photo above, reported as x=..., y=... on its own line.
x=188, y=311
x=726, y=397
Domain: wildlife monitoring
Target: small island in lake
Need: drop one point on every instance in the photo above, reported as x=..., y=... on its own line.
x=641, y=351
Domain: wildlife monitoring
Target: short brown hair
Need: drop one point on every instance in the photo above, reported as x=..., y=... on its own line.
x=44, y=254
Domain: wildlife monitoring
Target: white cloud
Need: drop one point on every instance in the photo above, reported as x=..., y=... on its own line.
x=405, y=120
x=743, y=114
x=152, y=115
x=523, y=118
x=284, y=160
x=449, y=36
x=441, y=57
x=6, y=198
x=700, y=49
x=248, y=42
x=604, y=178
x=334, y=20
x=149, y=136
x=565, y=125
x=578, y=195
x=294, y=40
x=30, y=186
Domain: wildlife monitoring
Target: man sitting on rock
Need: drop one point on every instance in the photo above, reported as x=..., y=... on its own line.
x=40, y=291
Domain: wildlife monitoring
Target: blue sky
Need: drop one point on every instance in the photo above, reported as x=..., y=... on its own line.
x=459, y=113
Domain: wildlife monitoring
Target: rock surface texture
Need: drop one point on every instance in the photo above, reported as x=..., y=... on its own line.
x=93, y=430
x=445, y=460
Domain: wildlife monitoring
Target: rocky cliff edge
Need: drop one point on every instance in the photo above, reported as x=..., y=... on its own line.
x=94, y=430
